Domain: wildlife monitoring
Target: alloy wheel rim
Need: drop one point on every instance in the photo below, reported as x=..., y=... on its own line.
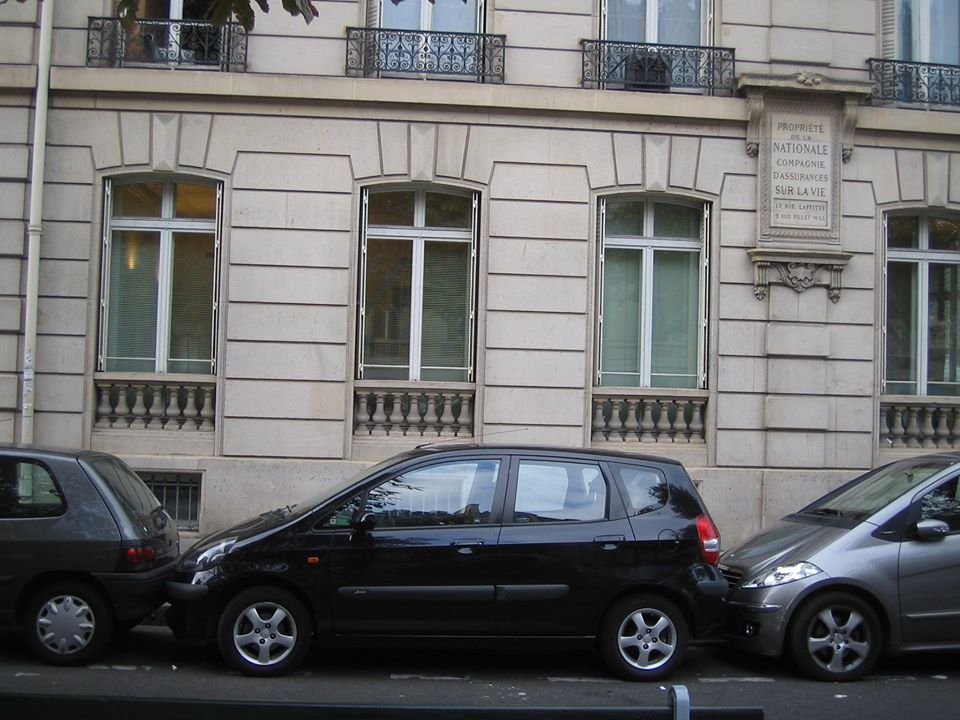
x=65, y=624
x=647, y=639
x=838, y=639
x=265, y=633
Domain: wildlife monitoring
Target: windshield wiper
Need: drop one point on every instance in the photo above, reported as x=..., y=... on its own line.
x=825, y=512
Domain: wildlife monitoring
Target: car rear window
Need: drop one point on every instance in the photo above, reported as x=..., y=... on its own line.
x=125, y=484
x=28, y=490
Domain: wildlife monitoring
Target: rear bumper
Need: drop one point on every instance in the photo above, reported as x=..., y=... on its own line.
x=135, y=595
x=189, y=614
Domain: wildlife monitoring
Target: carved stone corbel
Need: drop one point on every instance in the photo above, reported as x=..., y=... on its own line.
x=798, y=269
x=850, y=105
x=755, y=110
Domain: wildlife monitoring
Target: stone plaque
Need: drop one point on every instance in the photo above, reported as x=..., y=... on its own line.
x=799, y=173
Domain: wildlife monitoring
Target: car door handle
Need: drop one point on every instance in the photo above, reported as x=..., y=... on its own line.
x=609, y=542
x=465, y=547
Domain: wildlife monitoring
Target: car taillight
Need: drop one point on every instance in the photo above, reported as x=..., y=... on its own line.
x=709, y=539
x=137, y=557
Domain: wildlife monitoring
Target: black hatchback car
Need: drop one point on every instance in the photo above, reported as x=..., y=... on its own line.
x=84, y=547
x=466, y=543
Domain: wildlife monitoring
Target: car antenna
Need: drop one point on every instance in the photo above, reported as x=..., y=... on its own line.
x=476, y=438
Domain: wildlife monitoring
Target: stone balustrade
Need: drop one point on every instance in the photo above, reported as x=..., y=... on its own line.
x=648, y=416
x=911, y=422
x=181, y=403
x=415, y=411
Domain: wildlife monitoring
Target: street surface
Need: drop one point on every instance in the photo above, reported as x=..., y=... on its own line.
x=149, y=662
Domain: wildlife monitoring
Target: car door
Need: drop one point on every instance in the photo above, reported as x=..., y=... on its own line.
x=930, y=571
x=424, y=563
x=564, y=547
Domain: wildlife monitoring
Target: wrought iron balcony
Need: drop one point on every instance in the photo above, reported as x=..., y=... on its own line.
x=913, y=82
x=166, y=42
x=372, y=52
x=656, y=68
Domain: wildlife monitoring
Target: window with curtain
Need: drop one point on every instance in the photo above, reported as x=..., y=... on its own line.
x=652, y=295
x=437, y=15
x=922, y=318
x=418, y=277
x=928, y=31
x=671, y=22
x=160, y=259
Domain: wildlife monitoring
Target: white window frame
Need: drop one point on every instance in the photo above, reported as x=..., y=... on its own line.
x=647, y=244
x=166, y=225
x=419, y=235
x=653, y=25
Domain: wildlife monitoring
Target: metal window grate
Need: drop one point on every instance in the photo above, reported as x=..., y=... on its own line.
x=179, y=493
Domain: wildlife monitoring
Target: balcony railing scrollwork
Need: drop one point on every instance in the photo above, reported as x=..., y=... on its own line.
x=915, y=422
x=376, y=51
x=656, y=68
x=157, y=41
x=648, y=416
x=413, y=412
x=914, y=82
x=170, y=403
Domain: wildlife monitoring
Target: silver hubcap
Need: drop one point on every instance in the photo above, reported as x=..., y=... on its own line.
x=647, y=639
x=838, y=639
x=265, y=633
x=66, y=624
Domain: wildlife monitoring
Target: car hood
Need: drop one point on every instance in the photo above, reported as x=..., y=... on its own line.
x=783, y=543
x=243, y=530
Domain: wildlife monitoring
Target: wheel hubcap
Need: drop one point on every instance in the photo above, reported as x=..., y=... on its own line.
x=839, y=639
x=65, y=624
x=265, y=633
x=647, y=638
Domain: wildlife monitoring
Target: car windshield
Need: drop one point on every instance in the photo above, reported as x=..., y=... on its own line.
x=328, y=491
x=875, y=490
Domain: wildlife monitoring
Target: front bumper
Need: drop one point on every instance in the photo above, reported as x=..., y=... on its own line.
x=757, y=619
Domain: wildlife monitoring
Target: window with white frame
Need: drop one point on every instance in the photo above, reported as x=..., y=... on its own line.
x=652, y=293
x=417, y=284
x=437, y=15
x=927, y=30
x=922, y=328
x=671, y=22
x=160, y=265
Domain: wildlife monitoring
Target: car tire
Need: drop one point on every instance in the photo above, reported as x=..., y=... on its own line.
x=836, y=637
x=643, y=637
x=264, y=631
x=68, y=623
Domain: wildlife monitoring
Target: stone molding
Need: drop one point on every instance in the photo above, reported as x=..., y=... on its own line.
x=797, y=269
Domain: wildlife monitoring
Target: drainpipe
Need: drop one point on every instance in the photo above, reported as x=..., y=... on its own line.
x=35, y=226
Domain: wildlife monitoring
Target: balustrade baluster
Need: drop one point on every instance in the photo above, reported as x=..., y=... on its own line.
x=898, y=431
x=681, y=432
x=139, y=409
x=465, y=419
x=913, y=428
x=696, y=423
x=103, y=408
x=598, y=422
x=646, y=424
x=615, y=424
x=942, y=430
x=631, y=425
x=955, y=428
x=362, y=414
x=446, y=419
x=379, y=415
x=396, y=415
x=123, y=407
x=663, y=422
x=190, y=410
x=173, y=408
x=926, y=428
x=884, y=427
x=431, y=419
x=206, y=412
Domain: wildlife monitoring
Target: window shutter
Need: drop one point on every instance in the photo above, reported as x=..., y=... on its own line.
x=373, y=14
x=481, y=16
x=883, y=310
x=104, y=275
x=888, y=29
x=216, y=281
x=474, y=271
x=362, y=281
x=704, y=297
x=601, y=237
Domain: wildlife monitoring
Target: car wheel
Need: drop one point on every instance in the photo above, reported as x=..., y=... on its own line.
x=643, y=637
x=836, y=636
x=68, y=623
x=264, y=631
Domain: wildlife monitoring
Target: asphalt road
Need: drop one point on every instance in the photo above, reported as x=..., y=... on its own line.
x=148, y=662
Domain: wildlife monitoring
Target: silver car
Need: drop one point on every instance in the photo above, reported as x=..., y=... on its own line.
x=872, y=567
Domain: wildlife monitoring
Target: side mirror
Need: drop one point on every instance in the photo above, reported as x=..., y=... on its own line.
x=932, y=530
x=366, y=523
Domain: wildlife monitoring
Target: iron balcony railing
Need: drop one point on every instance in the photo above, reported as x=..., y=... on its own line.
x=377, y=51
x=656, y=68
x=913, y=82
x=166, y=42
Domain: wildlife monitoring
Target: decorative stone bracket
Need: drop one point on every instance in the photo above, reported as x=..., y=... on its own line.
x=798, y=269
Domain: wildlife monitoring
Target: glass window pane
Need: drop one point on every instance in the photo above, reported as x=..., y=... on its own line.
x=676, y=309
x=551, y=491
x=943, y=360
x=132, y=298
x=676, y=221
x=902, y=292
x=679, y=22
x=391, y=208
x=944, y=233
x=401, y=16
x=28, y=490
x=903, y=231
x=627, y=20
x=449, y=211
x=622, y=279
x=944, y=20
x=454, y=15
x=386, y=338
x=624, y=217
x=446, y=310
x=646, y=489
x=195, y=201
x=943, y=504
x=191, y=311
x=141, y=200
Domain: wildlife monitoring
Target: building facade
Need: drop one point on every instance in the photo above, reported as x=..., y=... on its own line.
x=723, y=231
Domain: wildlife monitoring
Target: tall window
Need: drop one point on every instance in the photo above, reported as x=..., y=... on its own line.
x=418, y=278
x=929, y=31
x=438, y=15
x=652, y=294
x=672, y=22
x=922, y=297
x=159, y=277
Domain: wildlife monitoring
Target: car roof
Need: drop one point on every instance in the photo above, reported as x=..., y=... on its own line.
x=46, y=451
x=450, y=447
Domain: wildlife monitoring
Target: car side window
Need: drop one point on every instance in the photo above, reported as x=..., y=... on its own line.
x=455, y=493
x=646, y=488
x=557, y=491
x=344, y=515
x=28, y=490
x=943, y=503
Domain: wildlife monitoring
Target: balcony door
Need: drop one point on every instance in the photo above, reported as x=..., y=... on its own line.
x=929, y=31
x=671, y=22
x=439, y=15
x=176, y=31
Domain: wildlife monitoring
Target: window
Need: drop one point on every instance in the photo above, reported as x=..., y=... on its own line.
x=943, y=503
x=922, y=331
x=28, y=490
x=550, y=491
x=179, y=493
x=646, y=488
x=929, y=31
x=652, y=298
x=459, y=493
x=193, y=41
x=438, y=15
x=159, y=277
x=418, y=274
x=673, y=22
